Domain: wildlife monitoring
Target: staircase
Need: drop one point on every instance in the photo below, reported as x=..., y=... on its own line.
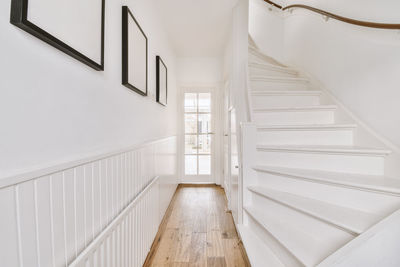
x=308, y=190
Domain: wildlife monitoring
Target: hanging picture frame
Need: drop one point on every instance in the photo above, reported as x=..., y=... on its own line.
x=134, y=54
x=77, y=31
x=162, y=81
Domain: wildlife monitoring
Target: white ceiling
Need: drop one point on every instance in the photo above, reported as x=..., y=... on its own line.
x=197, y=28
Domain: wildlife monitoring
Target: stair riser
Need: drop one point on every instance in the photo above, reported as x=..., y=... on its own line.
x=295, y=117
x=281, y=252
x=260, y=59
x=274, y=101
x=272, y=85
x=305, y=137
x=260, y=71
x=333, y=236
x=337, y=195
x=258, y=253
x=255, y=59
x=360, y=164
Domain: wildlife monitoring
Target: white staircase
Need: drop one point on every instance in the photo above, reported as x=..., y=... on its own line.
x=308, y=189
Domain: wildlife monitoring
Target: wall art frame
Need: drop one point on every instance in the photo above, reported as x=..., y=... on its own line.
x=134, y=54
x=20, y=13
x=161, y=81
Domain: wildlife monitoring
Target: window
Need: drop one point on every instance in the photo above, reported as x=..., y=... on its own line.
x=198, y=133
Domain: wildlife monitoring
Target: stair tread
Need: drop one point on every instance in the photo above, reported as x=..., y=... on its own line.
x=279, y=78
x=287, y=92
x=307, y=248
x=327, y=149
x=269, y=60
x=375, y=183
x=269, y=65
x=306, y=127
x=354, y=221
x=259, y=254
x=305, y=108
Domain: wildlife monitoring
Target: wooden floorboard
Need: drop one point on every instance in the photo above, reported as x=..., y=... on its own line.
x=197, y=230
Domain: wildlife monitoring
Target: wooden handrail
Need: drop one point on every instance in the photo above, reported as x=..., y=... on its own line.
x=389, y=26
x=272, y=3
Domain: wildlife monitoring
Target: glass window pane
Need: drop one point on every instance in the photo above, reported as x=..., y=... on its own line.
x=190, y=102
x=205, y=165
x=191, y=165
x=204, y=144
x=190, y=144
x=204, y=123
x=204, y=102
x=190, y=123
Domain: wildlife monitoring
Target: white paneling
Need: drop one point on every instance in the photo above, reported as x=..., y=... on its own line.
x=103, y=194
x=43, y=222
x=25, y=204
x=109, y=189
x=8, y=228
x=88, y=203
x=80, y=208
x=57, y=218
x=50, y=220
x=96, y=198
x=69, y=213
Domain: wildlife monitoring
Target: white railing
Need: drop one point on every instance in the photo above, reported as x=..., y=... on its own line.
x=50, y=216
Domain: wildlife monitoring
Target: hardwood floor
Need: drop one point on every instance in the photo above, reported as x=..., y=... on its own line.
x=198, y=231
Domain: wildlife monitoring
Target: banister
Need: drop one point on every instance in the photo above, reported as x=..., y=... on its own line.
x=273, y=4
x=389, y=26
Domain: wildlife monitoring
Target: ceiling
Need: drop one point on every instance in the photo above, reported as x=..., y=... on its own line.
x=197, y=28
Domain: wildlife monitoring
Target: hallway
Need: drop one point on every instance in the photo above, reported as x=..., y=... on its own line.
x=197, y=231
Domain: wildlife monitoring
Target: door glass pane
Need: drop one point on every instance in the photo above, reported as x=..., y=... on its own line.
x=197, y=133
x=190, y=144
x=190, y=123
x=205, y=165
x=204, y=102
x=190, y=102
x=205, y=144
x=204, y=123
x=191, y=165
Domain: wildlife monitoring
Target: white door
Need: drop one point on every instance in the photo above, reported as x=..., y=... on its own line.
x=198, y=137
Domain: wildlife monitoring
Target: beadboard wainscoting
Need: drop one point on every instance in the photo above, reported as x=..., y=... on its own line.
x=104, y=211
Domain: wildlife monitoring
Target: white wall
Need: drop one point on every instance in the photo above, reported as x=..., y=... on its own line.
x=54, y=108
x=269, y=39
x=360, y=66
x=199, y=70
x=203, y=73
x=235, y=59
x=235, y=77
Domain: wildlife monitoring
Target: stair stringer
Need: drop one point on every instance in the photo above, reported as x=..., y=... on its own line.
x=366, y=249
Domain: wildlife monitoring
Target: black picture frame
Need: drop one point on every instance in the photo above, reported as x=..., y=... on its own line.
x=160, y=91
x=19, y=18
x=126, y=16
